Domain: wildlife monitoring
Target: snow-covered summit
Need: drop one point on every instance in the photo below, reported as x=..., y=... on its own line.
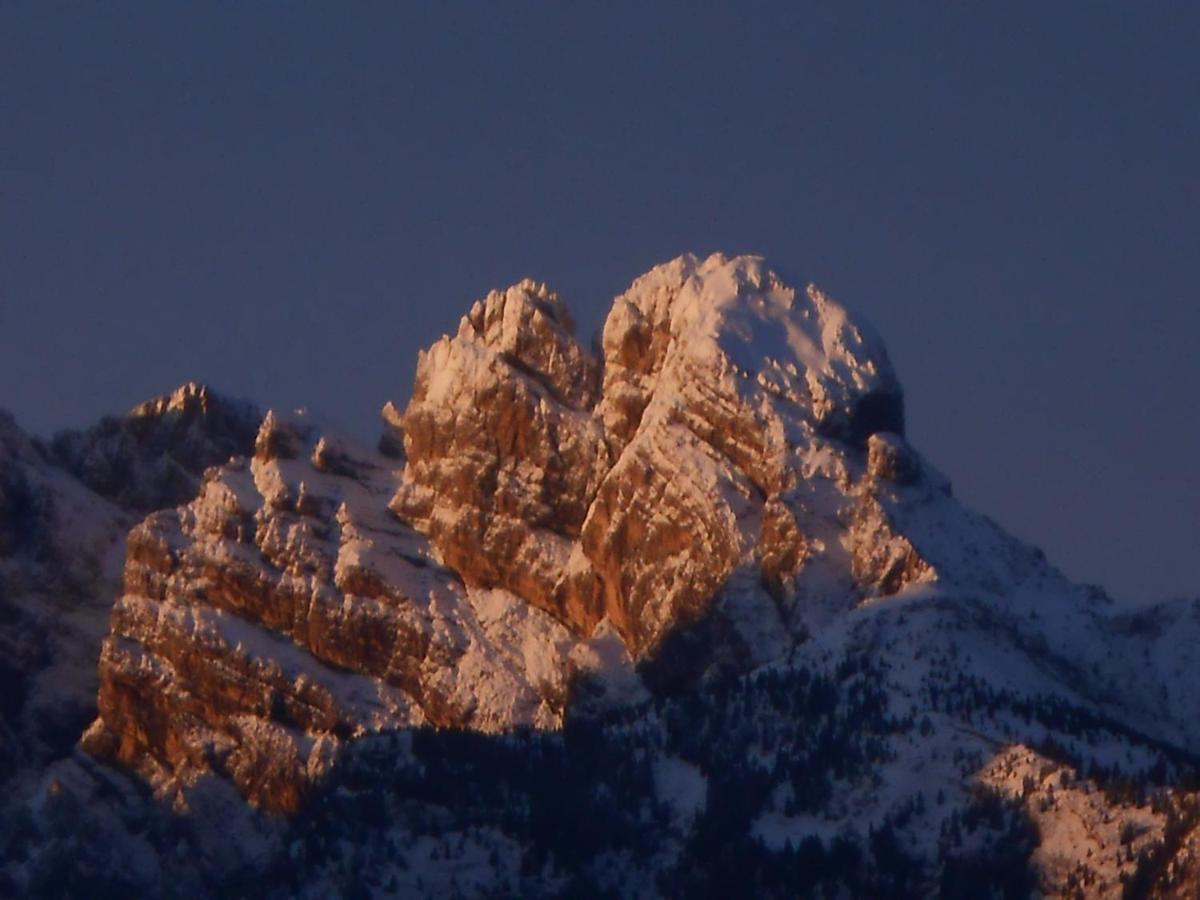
x=737, y=316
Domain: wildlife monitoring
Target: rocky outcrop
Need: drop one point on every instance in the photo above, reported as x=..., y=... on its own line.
x=153, y=457
x=889, y=458
x=706, y=475
x=284, y=611
x=502, y=454
x=631, y=496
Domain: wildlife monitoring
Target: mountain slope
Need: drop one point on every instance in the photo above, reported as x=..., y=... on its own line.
x=60, y=562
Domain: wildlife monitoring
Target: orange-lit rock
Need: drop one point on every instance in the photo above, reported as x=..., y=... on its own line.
x=711, y=466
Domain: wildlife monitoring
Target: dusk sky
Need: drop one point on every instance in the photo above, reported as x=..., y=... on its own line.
x=288, y=201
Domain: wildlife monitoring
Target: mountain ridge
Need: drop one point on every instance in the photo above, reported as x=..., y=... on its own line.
x=703, y=552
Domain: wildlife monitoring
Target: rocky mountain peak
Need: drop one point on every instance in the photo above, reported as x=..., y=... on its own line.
x=576, y=483
x=153, y=456
x=735, y=322
x=191, y=398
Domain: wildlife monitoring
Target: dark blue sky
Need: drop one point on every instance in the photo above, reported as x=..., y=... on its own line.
x=289, y=201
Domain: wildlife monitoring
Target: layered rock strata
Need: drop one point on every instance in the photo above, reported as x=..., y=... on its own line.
x=728, y=461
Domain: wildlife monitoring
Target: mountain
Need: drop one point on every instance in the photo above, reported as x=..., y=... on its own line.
x=677, y=613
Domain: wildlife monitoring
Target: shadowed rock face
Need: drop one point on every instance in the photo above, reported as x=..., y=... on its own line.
x=705, y=477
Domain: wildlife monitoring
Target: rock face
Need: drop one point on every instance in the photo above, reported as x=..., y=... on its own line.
x=631, y=487
x=503, y=455
x=707, y=471
x=284, y=611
